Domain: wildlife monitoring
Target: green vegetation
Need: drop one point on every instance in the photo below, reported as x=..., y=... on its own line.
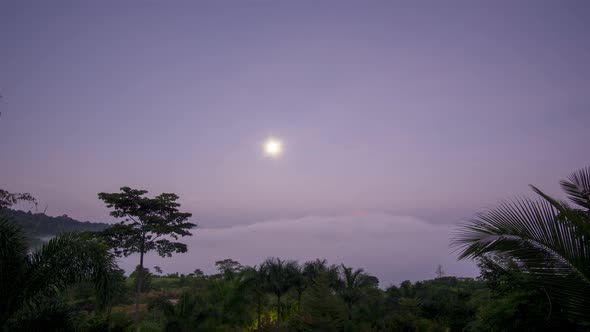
x=532, y=255
x=30, y=282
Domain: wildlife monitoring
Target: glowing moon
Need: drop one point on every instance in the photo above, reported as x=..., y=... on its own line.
x=273, y=147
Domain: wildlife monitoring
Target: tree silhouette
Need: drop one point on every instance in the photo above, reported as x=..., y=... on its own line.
x=228, y=267
x=8, y=199
x=313, y=269
x=255, y=279
x=324, y=310
x=301, y=280
x=279, y=279
x=149, y=224
x=439, y=271
x=352, y=282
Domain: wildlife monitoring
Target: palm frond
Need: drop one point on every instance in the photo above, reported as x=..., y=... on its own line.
x=541, y=237
x=567, y=214
x=50, y=315
x=577, y=187
x=67, y=259
x=13, y=259
x=13, y=243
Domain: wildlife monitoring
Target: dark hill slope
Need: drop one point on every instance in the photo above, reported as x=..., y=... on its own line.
x=39, y=225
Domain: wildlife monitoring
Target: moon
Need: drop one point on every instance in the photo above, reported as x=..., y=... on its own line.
x=273, y=147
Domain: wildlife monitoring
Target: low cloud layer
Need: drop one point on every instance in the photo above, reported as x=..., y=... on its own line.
x=394, y=248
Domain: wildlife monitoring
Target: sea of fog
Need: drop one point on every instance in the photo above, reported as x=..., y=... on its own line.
x=393, y=248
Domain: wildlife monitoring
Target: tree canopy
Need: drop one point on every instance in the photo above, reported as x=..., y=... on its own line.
x=148, y=224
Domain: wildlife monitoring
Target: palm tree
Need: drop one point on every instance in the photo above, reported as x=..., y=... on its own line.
x=185, y=315
x=316, y=268
x=230, y=302
x=255, y=279
x=323, y=308
x=351, y=284
x=223, y=305
x=548, y=239
x=279, y=279
x=29, y=281
x=301, y=280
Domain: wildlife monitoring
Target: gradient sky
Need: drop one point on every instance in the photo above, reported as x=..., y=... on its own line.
x=429, y=110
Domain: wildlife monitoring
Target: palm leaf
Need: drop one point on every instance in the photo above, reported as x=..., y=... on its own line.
x=51, y=315
x=540, y=236
x=29, y=281
x=13, y=259
x=67, y=259
x=577, y=187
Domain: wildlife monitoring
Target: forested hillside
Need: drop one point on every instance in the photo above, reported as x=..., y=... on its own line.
x=40, y=225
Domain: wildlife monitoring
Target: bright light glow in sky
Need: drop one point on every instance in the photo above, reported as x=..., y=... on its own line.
x=273, y=147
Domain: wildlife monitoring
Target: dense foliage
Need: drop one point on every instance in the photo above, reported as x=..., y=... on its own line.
x=30, y=282
x=341, y=298
x=314, y=296
x=335, y=298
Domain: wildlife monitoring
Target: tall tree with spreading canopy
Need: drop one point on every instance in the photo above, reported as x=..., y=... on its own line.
x=228, y=268
x=148, y=224
x=549, y=240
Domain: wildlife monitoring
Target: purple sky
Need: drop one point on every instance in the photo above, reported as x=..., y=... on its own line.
x=429, y=110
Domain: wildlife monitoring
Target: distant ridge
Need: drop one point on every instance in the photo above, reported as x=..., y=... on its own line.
x=38, y=226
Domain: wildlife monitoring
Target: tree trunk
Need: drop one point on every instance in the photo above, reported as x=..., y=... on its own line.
x=350, y=311
x=138, y=290
x=259, y=312
x=278, y=310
